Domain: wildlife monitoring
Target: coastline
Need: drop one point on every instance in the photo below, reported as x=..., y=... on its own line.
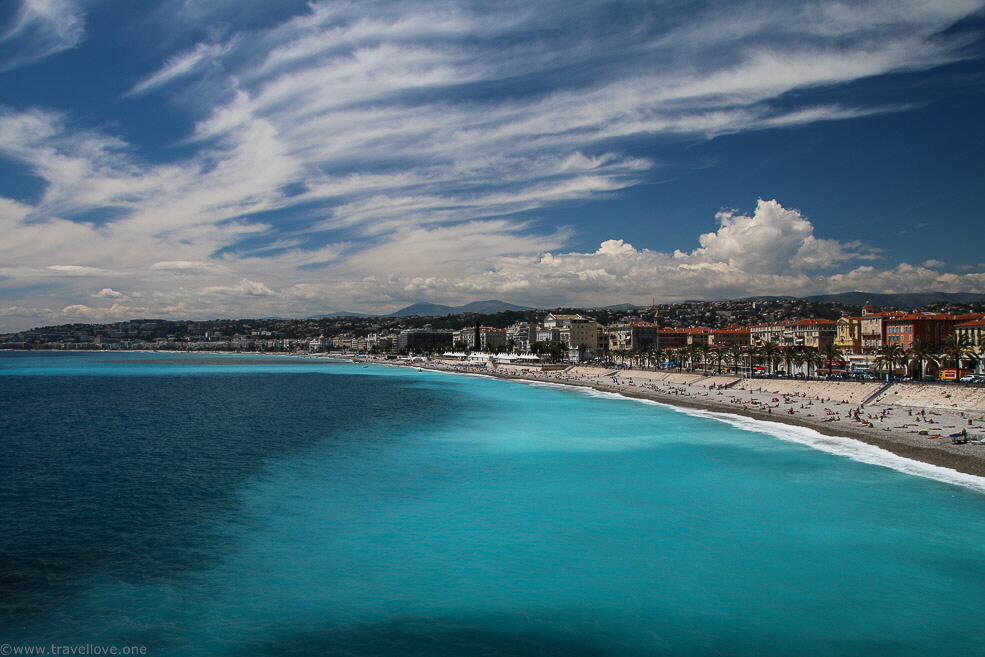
x=890, y=427
x=747, y=398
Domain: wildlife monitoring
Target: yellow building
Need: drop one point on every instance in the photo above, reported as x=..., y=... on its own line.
x=848, y=335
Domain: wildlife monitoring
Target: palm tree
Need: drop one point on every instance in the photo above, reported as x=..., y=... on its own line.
x=730, y=355
x=922, y=352
x=813, y=358
x=693, y=352
x=833, y=354
x=958, y=347
x=733, y=354
x=770, y=353
x=701, y=354
x=582, y=348
x=789, y=356
x=798, y=356
x=888, y=356
x=752, y=353
x=718, y=356
x=657, y=355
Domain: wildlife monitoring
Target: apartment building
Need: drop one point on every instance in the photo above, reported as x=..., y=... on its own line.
x=634, y=336
x=905, y=329
x=974, y=332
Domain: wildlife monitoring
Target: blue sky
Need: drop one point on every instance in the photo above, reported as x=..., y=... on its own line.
x=240, y=158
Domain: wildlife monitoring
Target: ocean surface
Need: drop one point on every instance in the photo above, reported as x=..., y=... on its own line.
x=238, y=505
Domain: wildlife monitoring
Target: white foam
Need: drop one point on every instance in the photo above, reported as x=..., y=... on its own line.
x=844, y=446
x=838, y=445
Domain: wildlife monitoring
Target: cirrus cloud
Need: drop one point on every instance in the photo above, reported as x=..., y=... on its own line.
x=363, y=155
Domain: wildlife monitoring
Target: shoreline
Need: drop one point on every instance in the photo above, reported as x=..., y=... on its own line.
x=935, y=448
x=735, y=396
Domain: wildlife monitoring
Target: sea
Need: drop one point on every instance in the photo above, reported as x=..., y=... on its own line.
x=176, y=504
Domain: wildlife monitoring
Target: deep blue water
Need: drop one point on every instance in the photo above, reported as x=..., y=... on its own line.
x=273, y=506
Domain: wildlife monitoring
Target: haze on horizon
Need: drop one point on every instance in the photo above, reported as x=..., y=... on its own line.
x=186, y=159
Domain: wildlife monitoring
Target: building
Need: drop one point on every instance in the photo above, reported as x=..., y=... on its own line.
x=548, y=334
x=733, y=336
x=671, y=338
x=905, y=329
x=770, y=332
x=581, y=336
x=848, y=335
x=321, y=343
x=487, y=336
x=557, y=321
x=522, y=335
x=872, y=328
x=634, y=336
x=974, y=332
x=698, y=335
x=582, y=333
x=817, y=333
x=424, y=338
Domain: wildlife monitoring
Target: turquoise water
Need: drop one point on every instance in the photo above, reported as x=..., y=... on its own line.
x=271, y=506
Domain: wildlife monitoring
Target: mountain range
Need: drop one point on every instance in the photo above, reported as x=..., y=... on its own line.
x=490, y=307
x=493, y=306
x=908, y=300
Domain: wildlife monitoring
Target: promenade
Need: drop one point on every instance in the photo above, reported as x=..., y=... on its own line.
x=913, y=420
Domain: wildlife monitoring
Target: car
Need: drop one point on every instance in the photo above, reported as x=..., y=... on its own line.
x=968, y=378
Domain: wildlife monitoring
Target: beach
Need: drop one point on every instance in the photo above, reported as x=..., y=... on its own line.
x=915, y=421
x=253, y=505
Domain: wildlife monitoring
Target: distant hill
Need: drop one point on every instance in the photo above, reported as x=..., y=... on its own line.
x=620, y=307
x=763, y=298
x=437, y=310
x=911, y=300
x=341, y=313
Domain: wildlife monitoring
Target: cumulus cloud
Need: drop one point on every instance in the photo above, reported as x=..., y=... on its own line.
x=772, y=240
x=362, y=154
x=246, y=287
x=109, y=293
x=772, y=251
x=81, y=312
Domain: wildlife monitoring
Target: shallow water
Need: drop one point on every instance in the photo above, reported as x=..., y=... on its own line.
x=254, y=506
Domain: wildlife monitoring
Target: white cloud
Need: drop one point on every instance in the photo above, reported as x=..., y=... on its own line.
x=402, y=149
x=246, y=287
x=83, y=313
x=186, y=266
x=109, y=293
x=78, y=270
x=773, y=239
x=180, y=65
x=40, y=29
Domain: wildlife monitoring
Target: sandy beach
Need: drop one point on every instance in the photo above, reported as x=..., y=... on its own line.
x=915, y=421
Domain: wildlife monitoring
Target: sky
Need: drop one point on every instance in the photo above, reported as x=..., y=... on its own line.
x=205, y=159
